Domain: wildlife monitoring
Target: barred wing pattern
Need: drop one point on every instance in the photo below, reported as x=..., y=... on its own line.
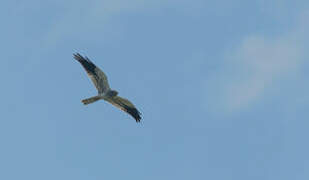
x=126, y=106
x=97, y=76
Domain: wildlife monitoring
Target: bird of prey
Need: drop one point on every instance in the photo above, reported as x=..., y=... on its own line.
x=99, y=80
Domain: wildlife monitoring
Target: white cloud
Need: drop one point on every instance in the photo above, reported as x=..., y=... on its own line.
x=255, y=65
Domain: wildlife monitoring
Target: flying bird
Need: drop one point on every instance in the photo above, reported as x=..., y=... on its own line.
x=99, y=80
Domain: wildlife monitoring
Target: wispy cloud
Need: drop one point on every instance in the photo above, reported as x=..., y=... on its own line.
x=95, y=16
x=255, y=64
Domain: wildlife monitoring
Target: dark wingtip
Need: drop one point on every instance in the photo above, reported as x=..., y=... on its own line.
x=137, y=116
x=134, y=113
x=86, y=63
x=80, y=58
x=77, y=56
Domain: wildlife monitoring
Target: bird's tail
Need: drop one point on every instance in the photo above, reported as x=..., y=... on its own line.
x=91, y=100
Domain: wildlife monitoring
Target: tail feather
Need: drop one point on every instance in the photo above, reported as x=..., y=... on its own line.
x=91, y=100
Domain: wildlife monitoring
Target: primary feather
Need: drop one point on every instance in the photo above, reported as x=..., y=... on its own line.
x=96, y=75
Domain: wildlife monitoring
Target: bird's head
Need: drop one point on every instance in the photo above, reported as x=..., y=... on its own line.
x=112, y=93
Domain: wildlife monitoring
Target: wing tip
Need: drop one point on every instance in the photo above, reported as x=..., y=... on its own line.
x=85, y=62
x=77, y=56
x=135, y=114
x=138, y=118
x=80, y=58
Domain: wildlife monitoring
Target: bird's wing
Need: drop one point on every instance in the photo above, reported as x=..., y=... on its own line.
x=126, y=106
x=97, y=76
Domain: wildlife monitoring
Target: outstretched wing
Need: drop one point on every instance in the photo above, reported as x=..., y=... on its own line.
x=97, y=76
x=126, y=106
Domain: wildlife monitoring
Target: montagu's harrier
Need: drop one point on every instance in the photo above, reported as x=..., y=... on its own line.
x=99, y=80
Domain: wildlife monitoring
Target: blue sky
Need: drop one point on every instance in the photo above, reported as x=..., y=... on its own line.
x=222, y=86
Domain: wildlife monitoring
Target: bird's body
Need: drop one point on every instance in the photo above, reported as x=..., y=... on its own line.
x=104, y=95
x=99, y=79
